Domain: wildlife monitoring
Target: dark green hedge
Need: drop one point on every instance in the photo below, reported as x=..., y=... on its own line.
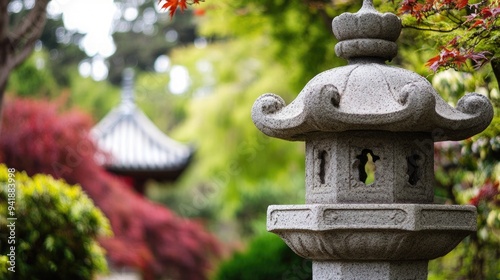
x=266, y=258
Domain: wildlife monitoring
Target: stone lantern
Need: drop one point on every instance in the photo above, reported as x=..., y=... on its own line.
x=369, y=130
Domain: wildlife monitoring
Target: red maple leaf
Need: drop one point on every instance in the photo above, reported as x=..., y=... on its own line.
x=454, y=41
x=199, y=12
x=414, y=8
x=488, y=192
x=458, y=59
x=434, y=63
x=460, y=4
x=486, y=12
x=477, y=22
x=171, y=6
x=479, y=58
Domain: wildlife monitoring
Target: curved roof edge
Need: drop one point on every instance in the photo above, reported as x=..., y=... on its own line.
x=371, y=96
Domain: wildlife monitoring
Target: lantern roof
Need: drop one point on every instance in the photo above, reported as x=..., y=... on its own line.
x=369, y=95
x=134, y=146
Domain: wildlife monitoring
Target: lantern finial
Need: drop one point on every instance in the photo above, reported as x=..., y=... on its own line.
x=366, y=33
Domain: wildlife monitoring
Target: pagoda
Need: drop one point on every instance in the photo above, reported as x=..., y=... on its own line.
x=133, y=147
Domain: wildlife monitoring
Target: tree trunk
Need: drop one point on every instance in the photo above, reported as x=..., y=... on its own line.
x=17, y=42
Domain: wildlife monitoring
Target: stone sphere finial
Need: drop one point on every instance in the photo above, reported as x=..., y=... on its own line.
x=367, y=33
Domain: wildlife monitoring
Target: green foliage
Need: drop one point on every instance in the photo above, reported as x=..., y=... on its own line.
x=32, y=78
x=266, y=258
x=298, y=33
x=468, y=172
x=96, y=98
x=463, y=29
x=458, y=263
x=139, y=42
x=235, y=164
x=152, y=96
x=55, y=231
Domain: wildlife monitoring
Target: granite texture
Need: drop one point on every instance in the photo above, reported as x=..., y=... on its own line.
x=403, y=171
x=370, y=130
x=371, y=231
x=371, y=96
x=415, y=270
x=366, y=33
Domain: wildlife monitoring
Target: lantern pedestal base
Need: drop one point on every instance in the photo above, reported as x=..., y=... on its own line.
x=396, y=270
x=371, y=241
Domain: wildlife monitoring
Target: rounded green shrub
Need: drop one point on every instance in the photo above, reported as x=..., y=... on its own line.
x=51, y=229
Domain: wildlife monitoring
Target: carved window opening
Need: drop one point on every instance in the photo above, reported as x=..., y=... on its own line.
x=322, y=164
x=366, y=166
x=413, y=170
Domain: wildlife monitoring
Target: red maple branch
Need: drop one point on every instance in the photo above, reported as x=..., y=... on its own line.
x=477, y=21
x=172, y=5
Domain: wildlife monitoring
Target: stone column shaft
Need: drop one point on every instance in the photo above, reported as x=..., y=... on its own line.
x=396, y=270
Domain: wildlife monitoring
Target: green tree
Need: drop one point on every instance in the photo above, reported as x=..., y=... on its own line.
x=33, y=78
x=55, y=234
x=467, y=31
x=17, y=39
x=237, y=170
x=137, y=25
x=139, y=42
x=468, y=172
x=95, y=98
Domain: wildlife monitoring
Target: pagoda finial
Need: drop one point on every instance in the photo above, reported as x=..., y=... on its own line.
x=128, y=86
x=367, y=33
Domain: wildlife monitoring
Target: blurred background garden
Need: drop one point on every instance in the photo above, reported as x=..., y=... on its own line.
x=197, y=75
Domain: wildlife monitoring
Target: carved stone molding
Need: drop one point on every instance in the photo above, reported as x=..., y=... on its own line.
x=379, y=232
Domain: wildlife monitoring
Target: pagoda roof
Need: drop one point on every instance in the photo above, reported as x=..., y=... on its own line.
x=132, y=145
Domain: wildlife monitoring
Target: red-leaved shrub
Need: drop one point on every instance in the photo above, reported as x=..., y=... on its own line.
x=36, y=137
